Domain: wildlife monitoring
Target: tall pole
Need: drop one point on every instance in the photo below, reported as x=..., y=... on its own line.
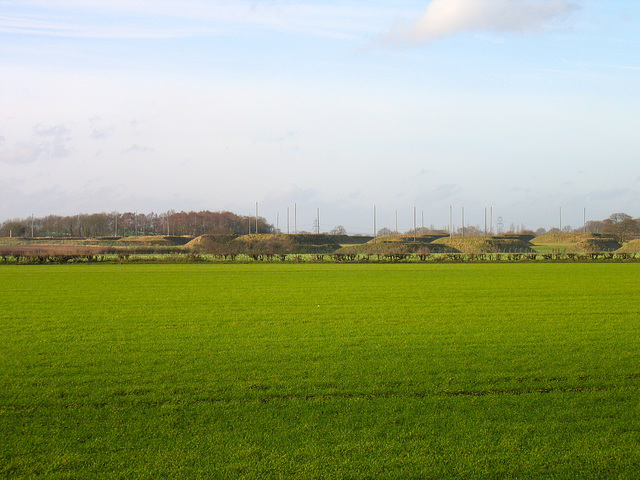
x=318, y=221
x=450, y=221
x=32, y=225
x=295, y=218
x=463, y=221
x=288, y=220
x=375, y=228
x=584, y=219
x=396, y=221
x=278, y=222
x=491, y=222
x=422, y=232
x=560, y=219
x=414, y=224
x=485, y=221
x=256, y=217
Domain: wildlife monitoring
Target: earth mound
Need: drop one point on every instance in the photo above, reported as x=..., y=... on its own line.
x=595, y=244
x=272, y=244
x=573, y=237
x=632, y=246
x=155, y=240
x=499, y=244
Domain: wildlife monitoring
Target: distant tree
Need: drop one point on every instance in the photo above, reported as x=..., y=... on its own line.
x=384, y=231
x=540, y=231
x=619, y=217
x=594, y=226
x=473, y=231
x=339, y=230
x=13, y=228
x=622, y=226
x=567, y=229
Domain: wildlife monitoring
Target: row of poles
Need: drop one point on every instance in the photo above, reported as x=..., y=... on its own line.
x=375, y=220
x=488, y=229
x=316, y=226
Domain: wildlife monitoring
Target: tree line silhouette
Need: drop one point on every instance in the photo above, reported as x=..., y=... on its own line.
x=132, y=223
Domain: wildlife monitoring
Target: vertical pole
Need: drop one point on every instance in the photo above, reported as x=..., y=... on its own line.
x=32, y=225
x=584, y=219
x=485, y=221
x=560, y=219
x=287, y=220
x=463, y=221
x=256, y=217
x=278, y=222
x=375, y=229
x=422, y=232
x=318, y=221
x=491, y=222
x=295, y=218
x=450, y=221
x=414, y=224
x=396, y=231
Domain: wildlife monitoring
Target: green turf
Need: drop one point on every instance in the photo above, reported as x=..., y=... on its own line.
x=320, y=371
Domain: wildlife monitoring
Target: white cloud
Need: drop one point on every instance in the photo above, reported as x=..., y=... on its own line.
x=448, y=17
x=21, y=153
x=135, y=148
x=49, y=143
x=102, y=133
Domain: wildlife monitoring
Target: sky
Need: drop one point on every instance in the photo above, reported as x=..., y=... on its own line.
x=525, y=108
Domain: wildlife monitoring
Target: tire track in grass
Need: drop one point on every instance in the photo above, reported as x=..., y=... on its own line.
x=329, y=396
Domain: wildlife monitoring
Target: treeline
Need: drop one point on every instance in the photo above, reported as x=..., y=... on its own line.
x=133, y=223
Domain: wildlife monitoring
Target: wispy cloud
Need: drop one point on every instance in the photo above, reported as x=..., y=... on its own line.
x=21, y=153
x=135, y=148
x=448, y=17
x=441, y=192
x=57, y=131
x=45, y=143
x=102, y=133
x=189, y=18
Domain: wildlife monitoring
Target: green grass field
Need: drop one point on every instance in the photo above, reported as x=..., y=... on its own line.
x=258, y=371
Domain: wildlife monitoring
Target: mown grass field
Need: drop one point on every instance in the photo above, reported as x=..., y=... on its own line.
x=320, y=371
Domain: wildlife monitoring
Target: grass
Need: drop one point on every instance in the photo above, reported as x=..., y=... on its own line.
x=319, y=371
x=554, y=247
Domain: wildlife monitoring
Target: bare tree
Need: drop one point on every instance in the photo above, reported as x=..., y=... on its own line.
x=339, y=230
x=622, y=226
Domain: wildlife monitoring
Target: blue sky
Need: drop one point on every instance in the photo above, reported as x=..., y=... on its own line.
x=525, y=106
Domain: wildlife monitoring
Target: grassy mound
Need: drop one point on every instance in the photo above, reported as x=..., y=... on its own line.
x=394, y=248
x=566, y=237
x=155, y=240
x=632, y=246
x=207, y=241
x=319, y=238
x=407, y=238
x=283, y=243
x=486, y=244
x=603, y=244
x=270, y=244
